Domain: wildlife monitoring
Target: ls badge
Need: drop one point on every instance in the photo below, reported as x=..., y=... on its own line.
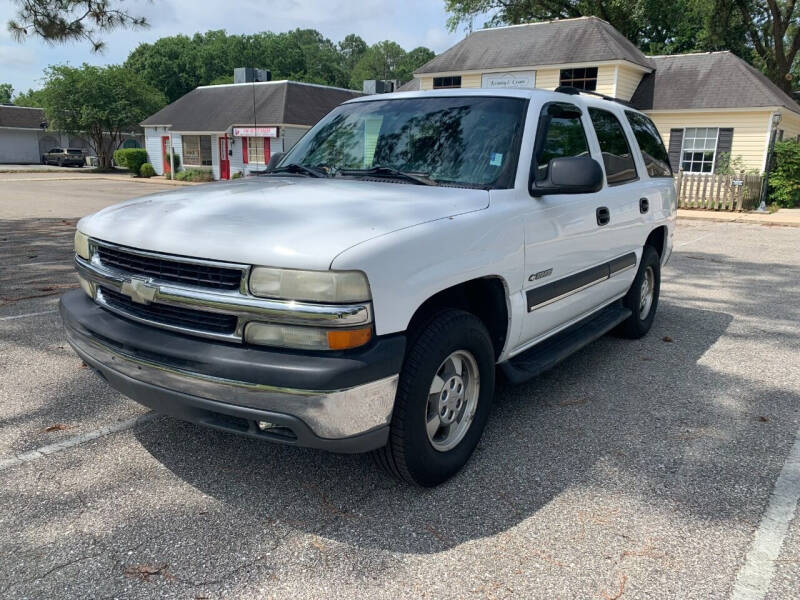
x=139, y=290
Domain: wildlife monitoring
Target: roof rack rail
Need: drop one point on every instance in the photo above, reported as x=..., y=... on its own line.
x=573, y=91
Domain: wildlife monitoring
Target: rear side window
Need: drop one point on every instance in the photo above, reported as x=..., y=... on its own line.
x=654, y=153
x=617, y=156
x=560, y=134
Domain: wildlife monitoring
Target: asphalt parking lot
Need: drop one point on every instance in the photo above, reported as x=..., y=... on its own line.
x=632, y=470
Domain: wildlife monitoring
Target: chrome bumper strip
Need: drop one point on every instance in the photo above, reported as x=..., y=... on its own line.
x=330, y=414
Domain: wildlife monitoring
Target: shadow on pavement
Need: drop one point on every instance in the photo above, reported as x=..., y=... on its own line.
x=647, y=408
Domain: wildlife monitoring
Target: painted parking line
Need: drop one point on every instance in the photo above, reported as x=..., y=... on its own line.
x=755, y=576
x=693, y=241
x=26, y=315
x=43, y=451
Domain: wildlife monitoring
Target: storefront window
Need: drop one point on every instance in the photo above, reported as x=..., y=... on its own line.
x=255, y=150
x=197, y=150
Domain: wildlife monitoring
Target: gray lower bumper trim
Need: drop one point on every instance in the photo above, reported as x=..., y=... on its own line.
x=328, y=414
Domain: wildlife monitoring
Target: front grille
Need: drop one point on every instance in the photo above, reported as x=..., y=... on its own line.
x=169, y=315
x=208, y=276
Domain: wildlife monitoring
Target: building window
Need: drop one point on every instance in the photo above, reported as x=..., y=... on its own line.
x=255, y=150
x=699, y=149
x=614, y=147
x=584, y=78
x=441, y=83
x=196, y=150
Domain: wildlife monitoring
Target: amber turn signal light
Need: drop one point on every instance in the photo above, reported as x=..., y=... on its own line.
x=343, y=339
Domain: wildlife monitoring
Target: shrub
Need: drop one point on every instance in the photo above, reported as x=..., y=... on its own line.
x=729, y=165
x=784, y=179
x=146, y=170
x=176, y=158
x=192, y=174
x=131, y=158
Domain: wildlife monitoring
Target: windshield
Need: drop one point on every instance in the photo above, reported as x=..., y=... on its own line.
x=468, y=141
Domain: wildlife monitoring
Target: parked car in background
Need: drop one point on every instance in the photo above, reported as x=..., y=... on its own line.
x=64, y=157
x=362, y=293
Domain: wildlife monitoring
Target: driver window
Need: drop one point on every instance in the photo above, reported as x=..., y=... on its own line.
x=560, y=134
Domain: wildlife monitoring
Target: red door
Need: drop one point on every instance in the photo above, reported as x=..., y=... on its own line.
x=224, y=159
x=164, y=155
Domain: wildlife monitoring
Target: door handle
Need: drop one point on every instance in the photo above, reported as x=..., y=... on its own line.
x=644, y=205
x=603, y=216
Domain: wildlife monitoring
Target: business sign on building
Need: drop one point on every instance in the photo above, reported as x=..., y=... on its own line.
x=517, y=79
x=270, y=132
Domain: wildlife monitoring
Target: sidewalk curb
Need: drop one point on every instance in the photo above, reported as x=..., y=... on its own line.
x=740, y=218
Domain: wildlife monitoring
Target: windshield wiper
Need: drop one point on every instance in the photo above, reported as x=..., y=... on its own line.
x=389, y=172
x=298, y=169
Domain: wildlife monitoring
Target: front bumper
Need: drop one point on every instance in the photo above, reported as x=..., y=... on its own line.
x=335, y=401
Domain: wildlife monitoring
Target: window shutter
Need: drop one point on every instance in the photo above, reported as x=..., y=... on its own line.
x=724, y=143
x=267, y=152
x=675, y=145
x=244, y=150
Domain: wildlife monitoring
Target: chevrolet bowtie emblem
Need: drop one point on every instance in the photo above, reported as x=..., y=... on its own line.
x=139, y=290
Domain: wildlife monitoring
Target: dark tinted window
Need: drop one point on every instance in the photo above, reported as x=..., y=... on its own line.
x=74, y=151
x=617, y=156
x=446, y=82
x=560, y=134
x=654, y=153
x=582, y=79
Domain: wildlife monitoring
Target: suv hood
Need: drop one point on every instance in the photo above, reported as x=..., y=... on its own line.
x=288, y=222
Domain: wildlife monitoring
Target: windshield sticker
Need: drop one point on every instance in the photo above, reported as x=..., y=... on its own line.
x=496, y=159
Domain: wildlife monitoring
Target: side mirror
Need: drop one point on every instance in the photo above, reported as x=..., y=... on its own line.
x=274, y=160
x=570, y=175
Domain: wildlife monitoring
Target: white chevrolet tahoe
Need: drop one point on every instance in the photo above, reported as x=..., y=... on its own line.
x=362, y=294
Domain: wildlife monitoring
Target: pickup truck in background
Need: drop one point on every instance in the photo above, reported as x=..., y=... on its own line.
x=64, y=157
x=362, y=294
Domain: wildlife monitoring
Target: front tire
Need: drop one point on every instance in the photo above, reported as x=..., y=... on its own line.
x=443, y=400
x=642, y=297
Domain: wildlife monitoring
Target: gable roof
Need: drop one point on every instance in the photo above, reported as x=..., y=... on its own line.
x=216, y=108
x=585, y=39
x=409, y=86
x=21, y=117
x=707, y=80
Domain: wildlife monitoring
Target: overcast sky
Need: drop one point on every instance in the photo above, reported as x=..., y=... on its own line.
x=410, y=23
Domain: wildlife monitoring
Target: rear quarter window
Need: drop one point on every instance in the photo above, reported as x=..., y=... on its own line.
x=654, y=153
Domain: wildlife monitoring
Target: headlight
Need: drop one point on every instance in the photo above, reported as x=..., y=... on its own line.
x=305, y=338
x=337, y=287
x=82, y=245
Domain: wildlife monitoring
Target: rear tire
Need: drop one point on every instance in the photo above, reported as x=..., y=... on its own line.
x=443, y=400
x=642, y=297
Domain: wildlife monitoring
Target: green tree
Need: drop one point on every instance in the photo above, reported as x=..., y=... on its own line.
x=169, y=65
x=99, y=103
x=784, y=181
x=412, y=61
x=29, y=98
x=773, y=32
x=380, y=61
x=351, y=49
x=6, y=90
x=60, y=21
